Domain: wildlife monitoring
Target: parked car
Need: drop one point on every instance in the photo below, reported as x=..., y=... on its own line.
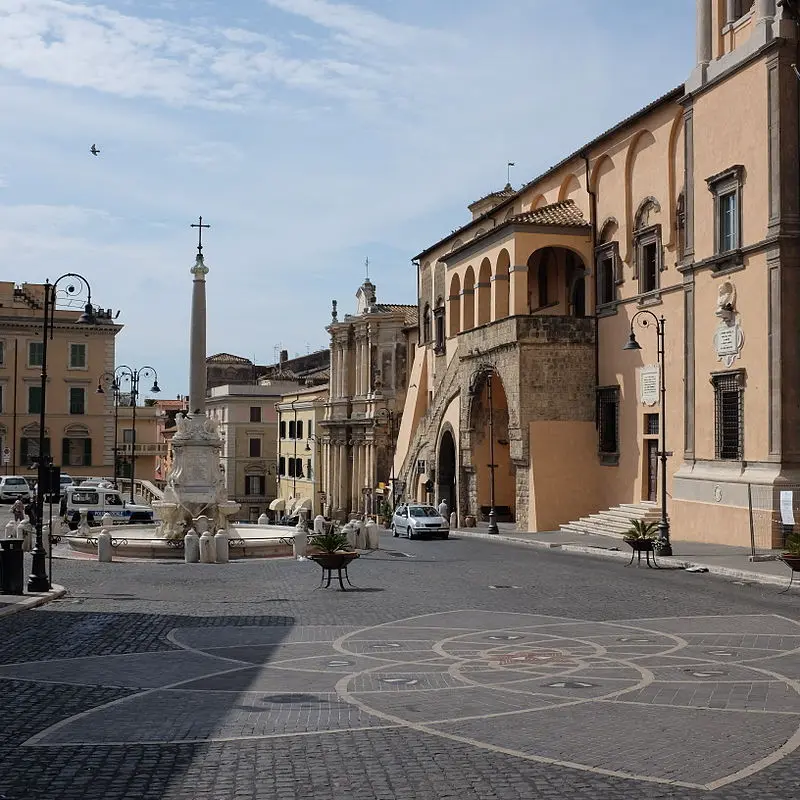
x=65, y=481
x=104, y=483
x=99, y=501
x=13, y=487
x=419, y=520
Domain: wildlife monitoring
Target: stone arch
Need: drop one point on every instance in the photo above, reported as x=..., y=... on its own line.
x=456, y=244
x=644, y=212
x=468, y=298
x=509, y=214
x=479, y=232
x=608, y=230
x=674, y=170
x=569, y=185
x=454, y=306
x=483, y=293
x=538, y=201
x=640, y=141
x=489, y=421
x=446, y=466
x=563, y=271
x=603, y=166
x=501, y=285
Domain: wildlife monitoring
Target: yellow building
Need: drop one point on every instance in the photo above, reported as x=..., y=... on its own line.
x=688, y=209
x=146, y=447
x=79, y=425
x=300, y=477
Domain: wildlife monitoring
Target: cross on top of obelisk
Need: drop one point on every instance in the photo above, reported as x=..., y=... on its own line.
x=199, y=227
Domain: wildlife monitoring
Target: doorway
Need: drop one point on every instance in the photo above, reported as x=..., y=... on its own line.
x=446, y=472
x=652, y=469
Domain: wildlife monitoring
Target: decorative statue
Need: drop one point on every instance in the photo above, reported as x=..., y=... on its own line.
x=334, y=313
x=726, y=301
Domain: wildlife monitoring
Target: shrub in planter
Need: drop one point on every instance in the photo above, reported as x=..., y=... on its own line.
x=641, y=531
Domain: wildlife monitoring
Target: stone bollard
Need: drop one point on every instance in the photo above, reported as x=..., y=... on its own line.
x=191, y=547
x=207, y=554
x=11, y=529
x=107, y=523
x=263, y=520
x=319, y=524
x=221, y=547
x=83, y=523
x=104, y=549
x=453, y=520
x=25, y=531
x=349, y=530
x=361, y=534
x=372, y=536
x=300, y=544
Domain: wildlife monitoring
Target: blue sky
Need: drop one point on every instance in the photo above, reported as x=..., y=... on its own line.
x=309, y=133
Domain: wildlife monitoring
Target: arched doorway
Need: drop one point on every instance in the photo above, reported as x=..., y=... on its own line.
x=495, y=473
x=446, y=471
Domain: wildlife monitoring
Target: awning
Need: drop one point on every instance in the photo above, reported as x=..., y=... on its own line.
x=299, y=504
x=277, y=505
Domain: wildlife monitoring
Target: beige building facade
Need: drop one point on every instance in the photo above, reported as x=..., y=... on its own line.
x=369, y=377
x=147, y=446
x=248, y=424
x=79, y=422
x=300, y=476
x=689, y=209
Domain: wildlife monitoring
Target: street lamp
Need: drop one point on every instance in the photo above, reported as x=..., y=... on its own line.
x=110, y=381
x=632, y=344
x=493, y=529
x=312, y=437
x=132, y=376
x=38, y=581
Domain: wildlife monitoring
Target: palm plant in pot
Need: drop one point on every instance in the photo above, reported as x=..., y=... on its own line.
x=791, y=556
x=334, y=551
x=641, y=535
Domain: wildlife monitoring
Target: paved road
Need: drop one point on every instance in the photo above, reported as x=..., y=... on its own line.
x=460, y=669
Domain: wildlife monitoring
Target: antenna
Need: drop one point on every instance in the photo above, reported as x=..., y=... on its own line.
x=508, y=171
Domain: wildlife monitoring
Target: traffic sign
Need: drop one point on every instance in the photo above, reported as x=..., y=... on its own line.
x=6, y=455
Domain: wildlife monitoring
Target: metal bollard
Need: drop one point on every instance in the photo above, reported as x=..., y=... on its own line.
x=104, y=549
x=207, y=554
x=221, y=547
x=191, y=547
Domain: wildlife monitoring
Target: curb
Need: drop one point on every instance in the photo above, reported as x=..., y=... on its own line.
x=28, y=601
x=671, y=561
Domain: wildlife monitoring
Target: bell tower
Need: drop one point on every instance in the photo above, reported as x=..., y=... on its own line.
x=729, y=31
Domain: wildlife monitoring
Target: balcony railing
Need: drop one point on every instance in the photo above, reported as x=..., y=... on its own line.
x=159, y=449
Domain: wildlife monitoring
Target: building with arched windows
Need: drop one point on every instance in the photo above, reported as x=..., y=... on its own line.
x=688, y=209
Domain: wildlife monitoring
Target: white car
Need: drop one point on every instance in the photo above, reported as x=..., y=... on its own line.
x=14, y=487
x=419, y=520
x=99, y=501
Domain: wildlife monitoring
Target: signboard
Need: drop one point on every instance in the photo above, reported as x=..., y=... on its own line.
x=787, y=512
x=648, y=386
x=728, y=342
x=6, y=455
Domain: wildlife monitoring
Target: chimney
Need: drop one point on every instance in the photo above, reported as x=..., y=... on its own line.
x=284, y=356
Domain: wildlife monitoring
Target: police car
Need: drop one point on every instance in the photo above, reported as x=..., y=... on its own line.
x=99, y=501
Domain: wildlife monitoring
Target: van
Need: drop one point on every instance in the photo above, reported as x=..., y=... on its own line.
x=98, y=502
x=14, y=487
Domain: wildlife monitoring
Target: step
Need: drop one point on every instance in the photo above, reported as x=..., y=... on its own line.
x=597, y=530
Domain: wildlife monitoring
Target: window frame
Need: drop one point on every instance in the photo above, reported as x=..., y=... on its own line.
x=255, y=413
x=254, y=440
x=40, y=346
x=648, y=237
x=292, y=433
x=260, y=485
x=83, y=346
x=82, y=390
x=34, y=388
x=728, y=381
x=608, y=397
x=2, y=352
x=607, y=253
x=282, y=428
x=440, y=331
x=728, y=182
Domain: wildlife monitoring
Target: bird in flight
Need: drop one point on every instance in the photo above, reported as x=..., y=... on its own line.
x=94, y=151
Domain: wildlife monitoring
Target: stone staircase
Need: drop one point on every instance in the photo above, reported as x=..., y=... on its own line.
x=615, y=521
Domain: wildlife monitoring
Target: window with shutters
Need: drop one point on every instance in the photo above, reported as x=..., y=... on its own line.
x=309, y=474
x=34, y=399
x=608, y=424
x=35, y=354
x=2, y=353
x=606, y=259
x=29, y=449
x=292, y=429
x=283, y=428
x=77, y=356
x=255, y=448
x=76, y=452
x=726, y=187
x=254, y=485
x=299, y=429
x=281, y=466
x=77, y=400
x=729, y=414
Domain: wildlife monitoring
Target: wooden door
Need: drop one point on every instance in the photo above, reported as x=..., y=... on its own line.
x=652, y=469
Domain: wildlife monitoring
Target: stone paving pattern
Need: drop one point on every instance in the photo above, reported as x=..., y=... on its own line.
x=590, y=681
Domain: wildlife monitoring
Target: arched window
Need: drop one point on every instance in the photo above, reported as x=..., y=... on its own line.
x=426, y=324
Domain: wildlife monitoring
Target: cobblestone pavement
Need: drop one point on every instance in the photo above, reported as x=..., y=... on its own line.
x=460, y=668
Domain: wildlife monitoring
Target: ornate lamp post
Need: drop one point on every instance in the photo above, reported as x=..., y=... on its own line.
x=132, y=376
x=312, y=437
x=492, y=512
x=73, y=292
x=632, y=344
x=109, y=381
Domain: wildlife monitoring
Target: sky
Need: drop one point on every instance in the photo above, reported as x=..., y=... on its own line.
x=310, y=134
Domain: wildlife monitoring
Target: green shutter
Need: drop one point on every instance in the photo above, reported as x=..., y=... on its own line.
x=65, y=452
x=87, y=452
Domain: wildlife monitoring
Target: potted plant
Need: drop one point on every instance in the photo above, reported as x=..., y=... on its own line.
x=386, y=514
x=791, y=556
x=334, y=552
x=641, y=535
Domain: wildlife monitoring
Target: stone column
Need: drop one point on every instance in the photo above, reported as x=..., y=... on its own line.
x=518, y=290
x=363, y=357
x=765, y=11
x=337, y=378
x=197, y=344
x=730, y=15
x=704, y=33
x=355, y=490
x=342, y=477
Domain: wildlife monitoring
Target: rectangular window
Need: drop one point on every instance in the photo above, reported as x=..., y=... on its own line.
x=255, y=413
x=77, y=356
x=283, y=429
x=255, y=448
x=420, y=467
x=298, y=468
x=254, y=485
x=608, y=423
x=281, y=466
x=648, y=253
x=29, y=449
x=35, y=354
x=299, y=429
x=438, y=321
x=34, y=399
x=292, y=428
x=729, y=415
x=308, y=469
x=649, y=267
x=127, y=436
x=728, y=222
x=291, y=468
x=77, y=400
x=2, y=353
x=76, y=452
x=606, y=261
x=2, y=392
x=651, y=424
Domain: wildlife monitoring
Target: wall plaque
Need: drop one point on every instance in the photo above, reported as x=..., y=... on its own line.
x=648, y=385
x=728, y=341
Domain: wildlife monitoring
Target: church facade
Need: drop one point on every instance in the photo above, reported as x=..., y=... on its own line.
x=684, y=216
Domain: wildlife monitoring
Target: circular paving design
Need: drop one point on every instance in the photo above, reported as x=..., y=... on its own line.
x=638, y=699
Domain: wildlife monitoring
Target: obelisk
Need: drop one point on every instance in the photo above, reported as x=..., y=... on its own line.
x=197, y=343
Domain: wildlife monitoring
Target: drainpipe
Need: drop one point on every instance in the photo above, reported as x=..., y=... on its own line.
x=593, y=223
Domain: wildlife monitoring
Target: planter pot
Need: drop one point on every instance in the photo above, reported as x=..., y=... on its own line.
x=469, y=521
x=337, y=560
x=792, y=560
x=641, y=545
